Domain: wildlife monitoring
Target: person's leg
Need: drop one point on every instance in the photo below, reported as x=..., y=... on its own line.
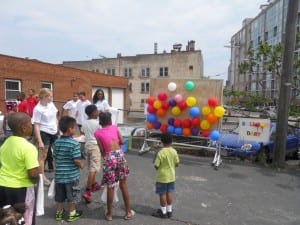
x=49, y=159
x=125, y=195
x=110, y=197
x=170, y=190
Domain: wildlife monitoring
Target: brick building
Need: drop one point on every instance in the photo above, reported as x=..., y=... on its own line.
x=19, y=74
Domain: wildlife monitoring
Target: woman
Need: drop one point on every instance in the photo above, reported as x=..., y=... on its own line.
x=100, y=101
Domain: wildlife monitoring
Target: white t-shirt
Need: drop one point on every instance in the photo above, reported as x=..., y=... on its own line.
x=80, y=109
x=46, y=117
x=71, y=107
x=102, y=105
x=88, y=128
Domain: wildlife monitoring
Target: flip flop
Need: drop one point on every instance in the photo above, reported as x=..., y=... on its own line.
x=126, y=217
x=107, y=218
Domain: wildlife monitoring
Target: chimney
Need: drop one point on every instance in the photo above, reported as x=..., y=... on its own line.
x=155, y=47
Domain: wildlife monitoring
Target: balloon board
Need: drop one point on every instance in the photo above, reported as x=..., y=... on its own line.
x=188, y=107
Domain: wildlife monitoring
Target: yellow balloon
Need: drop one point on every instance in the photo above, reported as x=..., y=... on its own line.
x=176, y=111
x=157, y=104
x=205, y=110
x=262, y=125
x=191, y=101
x=219, y=111
x=204, y=125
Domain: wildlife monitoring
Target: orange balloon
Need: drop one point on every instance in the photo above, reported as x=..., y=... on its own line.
x=186, y=132
x=149, y=126
x=161, y=112
x=211, y=118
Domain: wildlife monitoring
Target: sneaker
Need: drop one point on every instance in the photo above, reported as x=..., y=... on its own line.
x=59, y=215
x=95, y=187
x=75, y=217
x=169, y=214
x=87, y=196
x=160, y=214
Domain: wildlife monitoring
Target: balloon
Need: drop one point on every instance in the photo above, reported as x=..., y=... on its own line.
x=171, y=121
x=172, y=102
x=205, y=133
x=212, y=102
x=195, y=131
x=150, y=100
x=194, y=111
x=262, y=125
x=214, y=135
x=172, y=86
x=196, y=122
x=165, y=105
x=187, y=123
x=151, y=118
x=191, y=101
x=219, y=111
x=176, y=111
x=205, y=125
x=205, y=110
x=161, y=112
x=178, y=98
x=156, y=125
x=177, y=123
x=178, y=130
x=157, y=104
x=186, y=132
x=171, y=129
x=211, y=118
x=182, y=105
x=162, y=96
x=149, y=126
x=150, y=109
x=189, y=85
x=163, y=127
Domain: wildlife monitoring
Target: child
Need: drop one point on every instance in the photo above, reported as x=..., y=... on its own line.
x=19, y=166
x=89, y=127
x=115, y=166
x=68, y=162
x=165, y=162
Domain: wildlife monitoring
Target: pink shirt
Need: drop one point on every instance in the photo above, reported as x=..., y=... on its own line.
x=106, y=135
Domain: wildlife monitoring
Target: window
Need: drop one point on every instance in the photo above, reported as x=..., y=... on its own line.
x=191, y=67
x=145, y=87
x=143, y=102
x=130, y=87
x=47, y=85
x=163, y=71
x=110, y=71
x=128, y=72
x=275, y=31
x=12, y=88
x=146, y=72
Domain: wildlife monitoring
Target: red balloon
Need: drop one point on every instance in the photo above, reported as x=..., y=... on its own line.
x=186, y=132
x=161, y=112
x=164, y=127
x=212, y=102
x=177, y=123
x=196, y=122
x=150, y=100
x=150, y=109
x=205, y=133
x=182, y=105
x=187, y=123
x=165, y=105
x=162, y=96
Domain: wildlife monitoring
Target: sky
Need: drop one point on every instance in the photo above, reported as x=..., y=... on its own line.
x=54, y=31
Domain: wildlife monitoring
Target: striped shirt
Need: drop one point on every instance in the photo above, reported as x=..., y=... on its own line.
x=65, y=151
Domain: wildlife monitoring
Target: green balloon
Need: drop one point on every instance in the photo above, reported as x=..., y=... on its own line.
x=189, y=85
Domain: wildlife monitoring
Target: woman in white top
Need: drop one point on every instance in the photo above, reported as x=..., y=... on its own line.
x=44, y=119
x=100, y=101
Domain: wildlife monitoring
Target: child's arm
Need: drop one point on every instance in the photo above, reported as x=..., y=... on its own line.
x=79, y=163
x=121, y=140
x=100, y=147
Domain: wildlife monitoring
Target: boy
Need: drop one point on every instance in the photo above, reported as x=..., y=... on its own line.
x=165, y=162
x=92, y=150
x=68, y=164
x=19, y=166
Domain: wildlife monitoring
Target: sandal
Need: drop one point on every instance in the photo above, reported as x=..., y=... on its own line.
x=127, y=217
x=108, y=218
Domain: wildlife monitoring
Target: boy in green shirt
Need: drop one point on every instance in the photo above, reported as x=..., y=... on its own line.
x=165, y=162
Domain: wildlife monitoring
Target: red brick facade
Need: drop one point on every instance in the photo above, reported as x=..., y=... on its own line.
x=65, y=81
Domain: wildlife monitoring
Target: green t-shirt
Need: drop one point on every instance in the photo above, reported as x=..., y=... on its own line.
x=166, y=160
x=17, y=156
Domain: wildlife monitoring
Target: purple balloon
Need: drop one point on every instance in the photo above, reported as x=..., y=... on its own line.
x=156, y=125
x=172, y=102
x=171, y=121
x=195, y=131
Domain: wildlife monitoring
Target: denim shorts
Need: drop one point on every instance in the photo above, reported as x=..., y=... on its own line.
x=68, y=191
x=164, y=188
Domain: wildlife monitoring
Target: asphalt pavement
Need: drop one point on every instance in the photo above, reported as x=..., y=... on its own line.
x=238, y=193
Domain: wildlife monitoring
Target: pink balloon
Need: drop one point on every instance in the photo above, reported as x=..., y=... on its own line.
x=178, y=98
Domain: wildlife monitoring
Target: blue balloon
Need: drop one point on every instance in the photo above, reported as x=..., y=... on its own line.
x=194, y=112
x=151, y=118
x=178, y=130
x=172, y=102
x=171, y=129
x=214, y=135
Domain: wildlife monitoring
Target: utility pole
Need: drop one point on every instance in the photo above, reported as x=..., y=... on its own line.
x=285, y=84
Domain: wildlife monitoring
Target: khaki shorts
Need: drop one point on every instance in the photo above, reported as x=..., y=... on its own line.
x=93, y=157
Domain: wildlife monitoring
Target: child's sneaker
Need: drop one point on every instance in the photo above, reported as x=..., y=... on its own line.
x=160, y=214
x=169, y=214
x=75, y=217
x=95, y=187
x=59, y=215
x=87, y=196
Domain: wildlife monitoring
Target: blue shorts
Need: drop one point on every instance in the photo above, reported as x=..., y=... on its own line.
x=48, y=139
x=68, y=191
x=164, y=188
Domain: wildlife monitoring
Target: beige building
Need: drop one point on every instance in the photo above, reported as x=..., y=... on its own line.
x=140, y=69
